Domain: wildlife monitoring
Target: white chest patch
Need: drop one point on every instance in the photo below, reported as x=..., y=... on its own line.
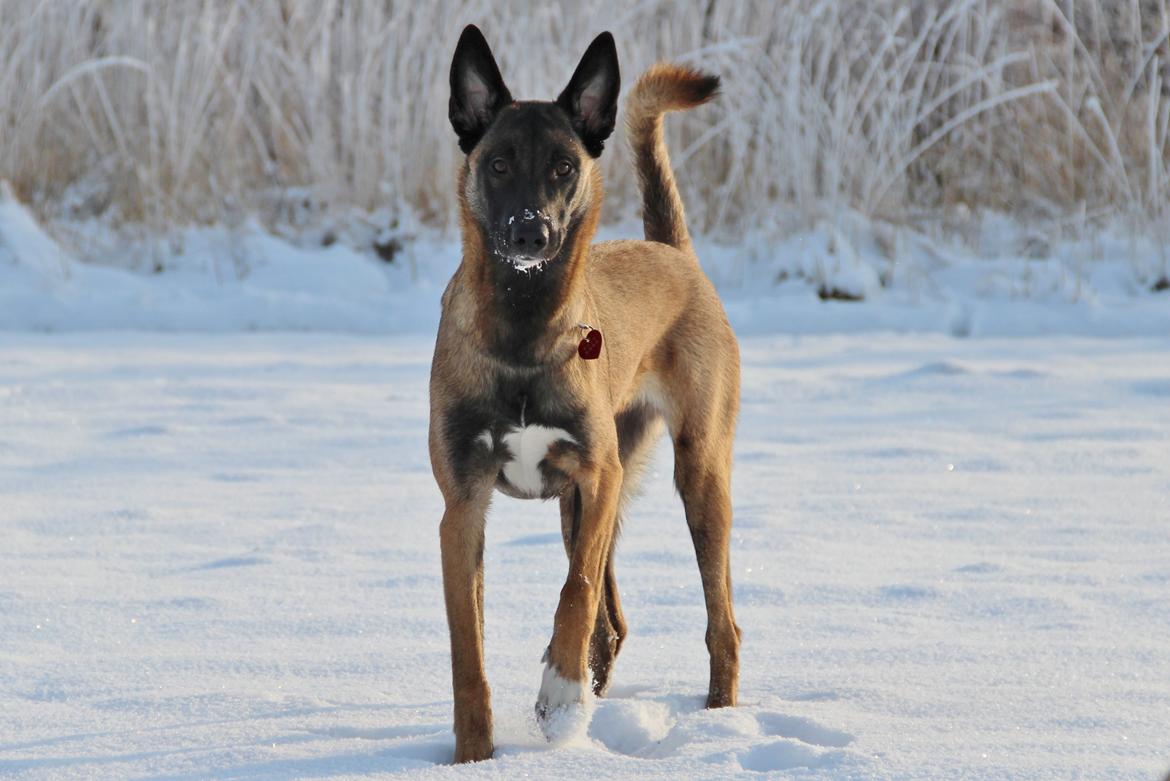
x=529, y=446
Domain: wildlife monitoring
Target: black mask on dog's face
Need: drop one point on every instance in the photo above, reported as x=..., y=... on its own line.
x=529, y=164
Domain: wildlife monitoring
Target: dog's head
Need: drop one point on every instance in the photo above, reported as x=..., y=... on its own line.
x=531, y=174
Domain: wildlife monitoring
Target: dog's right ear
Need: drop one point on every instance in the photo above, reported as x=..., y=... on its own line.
x=478, y=91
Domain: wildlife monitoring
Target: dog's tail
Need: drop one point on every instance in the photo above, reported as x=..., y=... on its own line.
x=665, y=87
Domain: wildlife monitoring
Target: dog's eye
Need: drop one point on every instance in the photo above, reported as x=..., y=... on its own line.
x=563, y=168
x=500, y=165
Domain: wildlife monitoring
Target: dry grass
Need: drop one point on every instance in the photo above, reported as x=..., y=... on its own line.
x=151, y=114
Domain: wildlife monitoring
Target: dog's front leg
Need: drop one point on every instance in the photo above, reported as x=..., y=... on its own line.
x=461, y=540
x=564, y=689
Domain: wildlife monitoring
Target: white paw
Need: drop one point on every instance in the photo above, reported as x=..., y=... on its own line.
x=563, y=707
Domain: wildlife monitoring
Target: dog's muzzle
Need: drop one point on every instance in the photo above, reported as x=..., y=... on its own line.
x=527, y=240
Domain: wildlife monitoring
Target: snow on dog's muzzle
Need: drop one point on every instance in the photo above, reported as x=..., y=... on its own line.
x=528, y=239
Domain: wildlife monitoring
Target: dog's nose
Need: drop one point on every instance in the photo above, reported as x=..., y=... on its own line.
x=529, y=237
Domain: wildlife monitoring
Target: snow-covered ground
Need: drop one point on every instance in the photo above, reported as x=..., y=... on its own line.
x=219, y=559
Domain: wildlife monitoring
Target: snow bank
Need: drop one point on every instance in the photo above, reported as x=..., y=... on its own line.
x=212, y=279
x=845, y=277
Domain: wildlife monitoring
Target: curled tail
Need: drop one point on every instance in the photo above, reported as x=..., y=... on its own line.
x=665, y=87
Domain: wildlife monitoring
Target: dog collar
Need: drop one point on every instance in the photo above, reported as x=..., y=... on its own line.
x=590, y=347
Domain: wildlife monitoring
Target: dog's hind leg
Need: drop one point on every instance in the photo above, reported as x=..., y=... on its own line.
x=703, y=476
x=609, y=631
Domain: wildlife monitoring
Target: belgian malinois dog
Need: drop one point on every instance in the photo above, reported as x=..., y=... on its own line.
x=558, y=363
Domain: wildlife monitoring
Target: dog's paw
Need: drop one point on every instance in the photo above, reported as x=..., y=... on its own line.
x=474, y=749
x=563, y=707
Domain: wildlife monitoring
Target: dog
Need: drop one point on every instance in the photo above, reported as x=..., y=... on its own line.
x=558, y=363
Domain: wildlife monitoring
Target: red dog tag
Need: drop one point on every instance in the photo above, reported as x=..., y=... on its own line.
x=590, y=346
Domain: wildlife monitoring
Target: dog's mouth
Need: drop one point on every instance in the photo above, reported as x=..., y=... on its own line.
x=527, y=262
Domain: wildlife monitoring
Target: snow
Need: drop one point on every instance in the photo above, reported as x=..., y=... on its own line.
x=220, y=559
x=214, y=279
x=220, y=547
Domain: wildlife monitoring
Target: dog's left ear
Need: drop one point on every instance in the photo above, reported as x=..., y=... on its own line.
x=590, y=100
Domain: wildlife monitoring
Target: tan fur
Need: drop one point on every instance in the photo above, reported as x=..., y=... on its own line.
x=664, y=87
x=669, y=354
